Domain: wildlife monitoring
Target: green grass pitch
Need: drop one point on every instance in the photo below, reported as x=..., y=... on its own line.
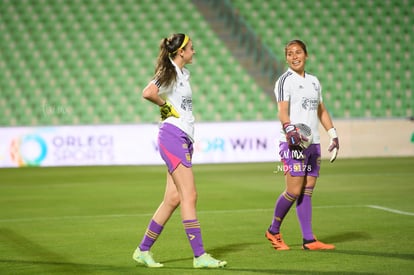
x=88, y=220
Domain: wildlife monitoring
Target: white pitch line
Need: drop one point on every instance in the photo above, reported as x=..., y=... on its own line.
x=71, y=217
x=391, y=210
x=200, y=212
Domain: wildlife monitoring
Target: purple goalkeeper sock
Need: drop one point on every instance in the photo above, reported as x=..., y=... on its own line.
x=304, y=213
x=193, y=232
x=151, y=235
x=283, y=204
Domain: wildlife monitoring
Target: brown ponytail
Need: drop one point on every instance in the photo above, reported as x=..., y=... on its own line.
x=165, y=73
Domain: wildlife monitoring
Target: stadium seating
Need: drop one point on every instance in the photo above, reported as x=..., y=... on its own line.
x=359, y=49
x=86, y=62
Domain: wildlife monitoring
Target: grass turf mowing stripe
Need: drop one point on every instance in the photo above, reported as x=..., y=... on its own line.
x=395, y=211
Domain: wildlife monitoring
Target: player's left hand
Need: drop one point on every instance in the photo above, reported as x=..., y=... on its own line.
x=334, y=145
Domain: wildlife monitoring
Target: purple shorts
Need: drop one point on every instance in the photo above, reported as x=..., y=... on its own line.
x=306, y=163
x=175, y=146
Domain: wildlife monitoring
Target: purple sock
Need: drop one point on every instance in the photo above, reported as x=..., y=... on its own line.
x=151, y=235
x=283, y=204
x=304, y=213
x=193, y=232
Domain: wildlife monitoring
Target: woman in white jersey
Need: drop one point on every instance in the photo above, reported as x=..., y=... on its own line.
x=170, y=90
x=299, y=98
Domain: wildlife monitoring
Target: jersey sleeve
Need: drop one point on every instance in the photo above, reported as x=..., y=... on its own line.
x=162, y=90
x=156, y=82
x=320, y=92
x=281, y=90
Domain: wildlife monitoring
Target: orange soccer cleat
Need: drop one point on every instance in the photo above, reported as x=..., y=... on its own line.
x=317, y=245
x=277, y=241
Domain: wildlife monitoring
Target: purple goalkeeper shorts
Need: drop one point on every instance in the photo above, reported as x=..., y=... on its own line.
x=175, y=146
x=305, y=163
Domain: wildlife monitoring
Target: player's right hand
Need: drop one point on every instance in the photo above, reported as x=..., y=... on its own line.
x=292, y=136
x=167, y=110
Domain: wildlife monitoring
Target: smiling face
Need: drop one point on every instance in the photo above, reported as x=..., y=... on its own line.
x=296, y=56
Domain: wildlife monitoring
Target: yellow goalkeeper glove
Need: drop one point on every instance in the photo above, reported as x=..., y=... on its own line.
x=167, y=110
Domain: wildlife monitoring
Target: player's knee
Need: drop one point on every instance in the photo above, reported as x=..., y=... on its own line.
x=294, y=191
x=173, y=200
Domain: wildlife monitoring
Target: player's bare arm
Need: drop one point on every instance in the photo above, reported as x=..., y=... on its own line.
x=283, y=111
x=326, y=122
x=324, y=117
x=150, y=93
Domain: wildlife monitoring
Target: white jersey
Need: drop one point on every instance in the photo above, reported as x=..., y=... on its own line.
x=304, y=95
x=179, y=94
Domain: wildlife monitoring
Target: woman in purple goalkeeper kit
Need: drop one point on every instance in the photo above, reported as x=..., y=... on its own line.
x=299, y=98
x=170, y=90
